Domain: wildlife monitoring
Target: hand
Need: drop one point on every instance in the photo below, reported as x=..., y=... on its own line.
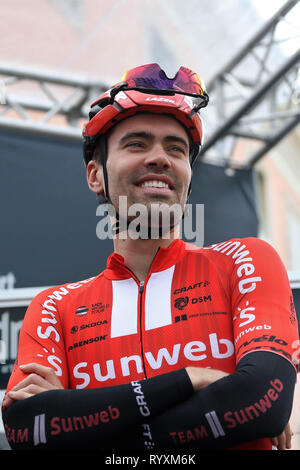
x=40, y=379
x=284, y=440
x=202, y=377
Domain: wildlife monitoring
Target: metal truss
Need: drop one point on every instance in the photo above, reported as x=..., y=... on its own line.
x=45, y=102
x=255, y=99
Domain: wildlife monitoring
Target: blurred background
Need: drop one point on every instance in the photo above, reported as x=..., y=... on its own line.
x=57, y=56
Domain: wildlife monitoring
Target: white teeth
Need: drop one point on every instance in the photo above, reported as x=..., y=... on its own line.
x=154, y=184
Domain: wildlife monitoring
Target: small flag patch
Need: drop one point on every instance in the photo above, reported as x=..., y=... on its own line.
x=83, y=310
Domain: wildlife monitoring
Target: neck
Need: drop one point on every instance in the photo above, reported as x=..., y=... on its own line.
x=139, y=254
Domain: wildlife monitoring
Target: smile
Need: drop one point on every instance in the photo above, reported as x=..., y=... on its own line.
x=154, y=184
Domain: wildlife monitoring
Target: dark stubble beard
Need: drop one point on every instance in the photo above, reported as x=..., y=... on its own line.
x=158, y=217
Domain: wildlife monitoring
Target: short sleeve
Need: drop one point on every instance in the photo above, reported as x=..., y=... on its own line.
x=41, y=339
x=264, y=317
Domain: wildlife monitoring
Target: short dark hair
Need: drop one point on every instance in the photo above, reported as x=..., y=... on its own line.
x=97, y=155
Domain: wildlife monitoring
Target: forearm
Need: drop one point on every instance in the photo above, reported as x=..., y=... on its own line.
x=61, y=419
x=252, y=403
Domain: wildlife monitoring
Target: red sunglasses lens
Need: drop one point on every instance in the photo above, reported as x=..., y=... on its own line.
x=151, y=76
x=188, y=81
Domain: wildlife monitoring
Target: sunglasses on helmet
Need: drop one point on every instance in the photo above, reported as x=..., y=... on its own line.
x=152, y=79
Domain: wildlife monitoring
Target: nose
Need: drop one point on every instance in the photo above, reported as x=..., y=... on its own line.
x=157, y=158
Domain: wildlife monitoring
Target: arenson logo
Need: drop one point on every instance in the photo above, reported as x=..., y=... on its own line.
x=84, y=342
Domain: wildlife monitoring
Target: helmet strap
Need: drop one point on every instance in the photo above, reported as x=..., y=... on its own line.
x=103, y=153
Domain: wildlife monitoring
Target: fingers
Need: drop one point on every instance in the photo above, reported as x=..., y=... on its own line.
x=288, y=437
x=39, y=379
x=33, y=379
x=284, y=440
x=19, y=393
x=274, y=441
x=45, y=372
x=25, y=392
x=281, y=441
x=6, y=402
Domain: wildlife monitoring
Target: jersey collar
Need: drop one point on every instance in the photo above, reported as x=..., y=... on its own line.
x=164, y=259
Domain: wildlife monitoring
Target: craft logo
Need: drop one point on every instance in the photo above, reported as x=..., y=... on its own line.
x=180, y=290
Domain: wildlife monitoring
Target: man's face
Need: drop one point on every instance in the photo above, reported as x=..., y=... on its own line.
x=145, y=149
x=148, y=161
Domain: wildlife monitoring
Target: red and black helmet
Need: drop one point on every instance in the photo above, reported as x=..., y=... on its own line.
x=148, y=89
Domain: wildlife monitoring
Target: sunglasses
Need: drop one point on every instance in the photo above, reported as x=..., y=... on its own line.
x=151, y=78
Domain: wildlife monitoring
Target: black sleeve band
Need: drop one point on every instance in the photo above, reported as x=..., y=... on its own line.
x=61, y=419
x=255, y=402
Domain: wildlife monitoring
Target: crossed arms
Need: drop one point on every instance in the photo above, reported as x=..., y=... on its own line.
x=255, y=402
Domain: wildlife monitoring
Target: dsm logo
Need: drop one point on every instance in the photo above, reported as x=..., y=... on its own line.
x=181, y=302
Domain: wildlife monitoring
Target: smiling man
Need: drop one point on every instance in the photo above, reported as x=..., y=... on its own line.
x=172, y=346
x=149, y=168
x=165, y=150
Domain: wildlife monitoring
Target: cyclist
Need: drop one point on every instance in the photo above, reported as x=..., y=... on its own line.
x=172, y=345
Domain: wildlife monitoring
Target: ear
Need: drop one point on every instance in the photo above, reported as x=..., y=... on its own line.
x=94, y=176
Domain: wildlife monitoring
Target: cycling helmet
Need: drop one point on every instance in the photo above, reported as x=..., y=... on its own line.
x=146, y=89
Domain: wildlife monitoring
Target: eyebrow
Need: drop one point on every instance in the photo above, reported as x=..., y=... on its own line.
x=149, y=136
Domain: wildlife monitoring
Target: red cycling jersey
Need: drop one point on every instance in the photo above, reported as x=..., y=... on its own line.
x=205, y=307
